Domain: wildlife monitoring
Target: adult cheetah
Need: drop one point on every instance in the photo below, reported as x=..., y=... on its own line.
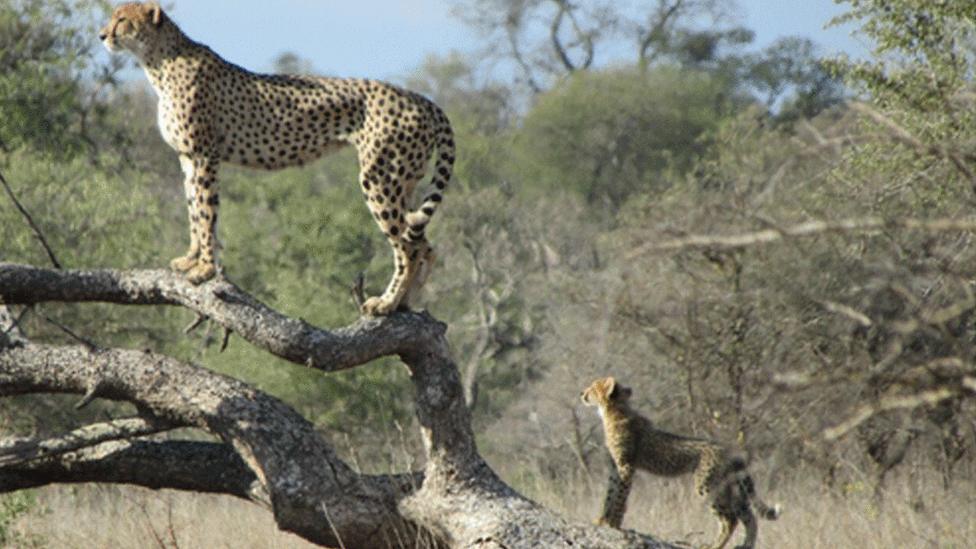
x=211, y=111
x=634, y=443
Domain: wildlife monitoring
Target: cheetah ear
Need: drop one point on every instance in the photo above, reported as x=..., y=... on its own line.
x=156, y=11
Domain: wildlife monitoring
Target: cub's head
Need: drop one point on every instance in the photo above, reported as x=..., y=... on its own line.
x=605, y=393
x=133, y=27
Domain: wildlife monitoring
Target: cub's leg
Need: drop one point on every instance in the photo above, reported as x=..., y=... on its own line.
x=749, y=521
x=618, y=488
x=200, y=186
x=727, y=524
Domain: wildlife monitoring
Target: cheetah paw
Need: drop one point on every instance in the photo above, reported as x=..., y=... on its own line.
x=184, y=263
x=201, y=272
x=377, y=306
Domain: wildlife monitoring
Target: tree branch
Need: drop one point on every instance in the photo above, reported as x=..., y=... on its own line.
x=183, y=465
x=802, y=230
x=299, y=470
x=19, y=450
x=314, y=494
x=654, y=33
x=894, y=402
x=557, y=44
x=224, y=303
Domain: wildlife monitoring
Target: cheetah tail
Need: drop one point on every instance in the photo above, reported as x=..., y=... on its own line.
x=765, y=511
x=418, y=219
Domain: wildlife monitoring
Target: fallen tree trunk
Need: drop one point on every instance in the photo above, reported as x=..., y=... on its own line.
x=266, y=452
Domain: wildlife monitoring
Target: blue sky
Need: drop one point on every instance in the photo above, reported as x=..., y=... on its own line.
x=387, y=39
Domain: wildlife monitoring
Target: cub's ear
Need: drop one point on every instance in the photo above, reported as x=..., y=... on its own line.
x=617, y=391
x=156, y=12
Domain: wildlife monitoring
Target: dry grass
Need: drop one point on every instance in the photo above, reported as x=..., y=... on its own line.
x=84, y=517
x=123, y=518
x=812, y=518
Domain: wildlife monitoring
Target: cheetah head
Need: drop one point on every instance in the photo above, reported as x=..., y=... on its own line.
x=132, y=27
x=604, y=393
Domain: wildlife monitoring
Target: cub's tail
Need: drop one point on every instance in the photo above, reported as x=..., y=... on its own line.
x=738, y=468
x=418, y=219
x=763, y=510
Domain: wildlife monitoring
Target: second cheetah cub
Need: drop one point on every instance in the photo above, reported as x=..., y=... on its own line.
x=634, y=443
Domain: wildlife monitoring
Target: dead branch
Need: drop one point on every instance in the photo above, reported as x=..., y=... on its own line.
x=16, y=451
x=804, y=230
x=893, y=402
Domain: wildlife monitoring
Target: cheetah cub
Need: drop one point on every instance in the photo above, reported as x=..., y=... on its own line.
x=212, y=112
x=634, y=443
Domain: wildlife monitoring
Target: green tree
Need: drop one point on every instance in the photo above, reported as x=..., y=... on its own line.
x=611, y=134
x=919, y=82
x=47, y=96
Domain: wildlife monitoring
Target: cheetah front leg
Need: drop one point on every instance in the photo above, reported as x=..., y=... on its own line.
x=186, y=262
x=202, y=201
x=618, y=488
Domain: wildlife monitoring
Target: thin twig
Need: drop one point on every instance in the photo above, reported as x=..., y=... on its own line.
x=359, y=290
x=30, y=221
x=200, y=319
x=223, y=344
x=844, y=310
x=90, y=395
x=84, y=341
x=16, y=323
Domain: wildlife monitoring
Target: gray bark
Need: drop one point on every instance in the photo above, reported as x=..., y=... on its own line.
x=267, y=452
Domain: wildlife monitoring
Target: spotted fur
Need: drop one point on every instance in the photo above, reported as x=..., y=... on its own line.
x=212, y=112
x=634, y=443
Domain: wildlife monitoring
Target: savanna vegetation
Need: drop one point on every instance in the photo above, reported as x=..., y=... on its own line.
x=774, y=249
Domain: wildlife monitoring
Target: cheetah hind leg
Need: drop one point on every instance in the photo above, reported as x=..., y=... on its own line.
x=426, y=258
x=406, y=264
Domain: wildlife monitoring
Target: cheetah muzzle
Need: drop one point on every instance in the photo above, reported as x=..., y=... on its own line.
x=211, y=112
